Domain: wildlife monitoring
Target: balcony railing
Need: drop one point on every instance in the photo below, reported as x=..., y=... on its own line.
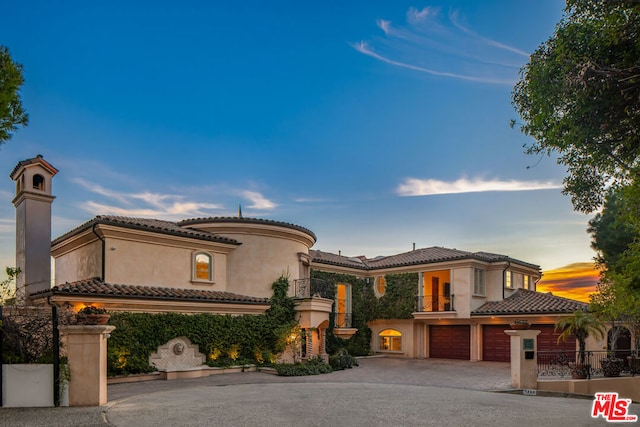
x=342, y=320
x=307, y=288
x=434, y=303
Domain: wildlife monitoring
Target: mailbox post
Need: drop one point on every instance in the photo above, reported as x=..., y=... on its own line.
x=524, y=358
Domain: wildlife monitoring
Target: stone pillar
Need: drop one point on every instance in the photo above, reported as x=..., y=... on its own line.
x=524, y=358
x=87, y=353
x=309, y=343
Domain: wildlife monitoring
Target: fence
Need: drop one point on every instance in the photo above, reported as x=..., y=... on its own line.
x=592, y=363
x=29, y=335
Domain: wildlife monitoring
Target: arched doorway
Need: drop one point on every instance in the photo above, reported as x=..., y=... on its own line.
x=623, y=341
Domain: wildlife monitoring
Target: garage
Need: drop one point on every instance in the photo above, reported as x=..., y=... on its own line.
x=450, y=342
x=548, y=340
x=496, y=345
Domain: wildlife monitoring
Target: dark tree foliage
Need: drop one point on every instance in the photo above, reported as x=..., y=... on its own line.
x=579, y=98
x=610, y=231
x=12, y=113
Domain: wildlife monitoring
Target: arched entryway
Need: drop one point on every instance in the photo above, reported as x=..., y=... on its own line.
x=623, y=341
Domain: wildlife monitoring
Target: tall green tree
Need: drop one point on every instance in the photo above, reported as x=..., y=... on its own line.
x=12, y=113
x=579, y=98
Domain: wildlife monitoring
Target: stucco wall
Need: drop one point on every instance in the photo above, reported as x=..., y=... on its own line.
x=462, y=288
x=143, y=263
x=261, y=260
x=405, y=327
x=83, y=263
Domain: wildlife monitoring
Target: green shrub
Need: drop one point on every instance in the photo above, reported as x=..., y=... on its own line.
x=314, y=366
x=342, y=360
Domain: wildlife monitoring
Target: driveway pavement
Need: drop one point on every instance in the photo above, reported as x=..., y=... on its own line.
x=381, y=391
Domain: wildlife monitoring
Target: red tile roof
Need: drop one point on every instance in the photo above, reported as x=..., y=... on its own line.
x=419, y=256
x=524, y=301
x=243, y=220
x=96, y=287
x=147, y=224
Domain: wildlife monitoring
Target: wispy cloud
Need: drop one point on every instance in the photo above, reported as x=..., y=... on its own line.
x=162, y=205
x=7, y=226
x=430, y=187
x=258, y=201
x=440, y=45
x=148, y=204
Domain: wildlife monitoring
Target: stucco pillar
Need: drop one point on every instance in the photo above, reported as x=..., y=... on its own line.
x=87, y=353
x=524, y=358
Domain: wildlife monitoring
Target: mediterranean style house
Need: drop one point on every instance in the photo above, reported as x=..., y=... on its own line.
x=459, y=303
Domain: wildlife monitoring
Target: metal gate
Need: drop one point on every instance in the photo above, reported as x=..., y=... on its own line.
x=30, y=335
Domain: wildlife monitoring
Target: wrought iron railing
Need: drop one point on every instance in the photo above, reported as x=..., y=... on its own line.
x=592, y=363
x=434, y=303
x=342, y=320
x=306, y=288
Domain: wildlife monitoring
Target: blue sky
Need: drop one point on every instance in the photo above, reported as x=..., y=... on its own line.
x=375, y=124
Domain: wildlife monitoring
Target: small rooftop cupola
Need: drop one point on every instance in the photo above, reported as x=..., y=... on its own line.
x=32, y=201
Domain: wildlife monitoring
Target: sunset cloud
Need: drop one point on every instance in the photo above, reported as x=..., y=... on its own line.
x=430, y=187
x=575, y=281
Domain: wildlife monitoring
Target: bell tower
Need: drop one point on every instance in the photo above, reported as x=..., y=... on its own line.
x=33, y=200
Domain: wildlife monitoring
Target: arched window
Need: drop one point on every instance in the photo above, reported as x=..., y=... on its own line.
x=380, y=287
x=38, y=182
x=390, y=340
x=202, y=267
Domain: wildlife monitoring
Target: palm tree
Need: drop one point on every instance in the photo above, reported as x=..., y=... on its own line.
x=583, y=325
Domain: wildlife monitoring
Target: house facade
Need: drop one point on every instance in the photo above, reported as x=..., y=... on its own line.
x=456, y=304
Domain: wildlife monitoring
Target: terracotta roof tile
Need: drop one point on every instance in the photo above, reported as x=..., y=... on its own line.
x=232, y=219
x=147, y=224
x=96, y=287
x=430, y=255
x=524, y=301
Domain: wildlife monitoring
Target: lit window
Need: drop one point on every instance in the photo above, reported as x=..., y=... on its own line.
x=508, y=279
x=202, y=267
x=526, y=282
x=479, y=282
x=381, y=286
x=343, y=306
x=390, y=340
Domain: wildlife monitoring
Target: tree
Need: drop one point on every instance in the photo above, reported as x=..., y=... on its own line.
x=611, y=230
x=582, y=325
x=579, y=97
x=12, y=113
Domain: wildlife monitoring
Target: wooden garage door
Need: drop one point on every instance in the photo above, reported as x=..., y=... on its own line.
x=496, y=345
x=548, y=340
x=450, y=342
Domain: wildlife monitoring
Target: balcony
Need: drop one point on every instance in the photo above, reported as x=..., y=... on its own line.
x=307, y=288
x=428, y=306
x=342, y=320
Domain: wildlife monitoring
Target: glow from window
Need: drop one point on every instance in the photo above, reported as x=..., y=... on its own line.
x=381, y=286
x=390, y=340
x=203, y=267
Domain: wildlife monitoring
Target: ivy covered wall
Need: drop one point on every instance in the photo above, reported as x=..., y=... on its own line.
x=397, y=303
x=225, y=339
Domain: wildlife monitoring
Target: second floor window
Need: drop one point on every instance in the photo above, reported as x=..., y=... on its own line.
x=508, y=279
x=380, y=287
x=478, y=282
x=527, y=282
x=202, y=267
x=343, y=305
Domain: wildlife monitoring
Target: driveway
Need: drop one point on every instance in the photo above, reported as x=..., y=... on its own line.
x=382, y=391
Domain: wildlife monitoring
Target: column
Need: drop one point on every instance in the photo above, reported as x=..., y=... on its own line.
x=87, y=353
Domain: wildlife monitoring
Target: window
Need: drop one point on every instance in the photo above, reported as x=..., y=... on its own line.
x=343, y=306
x=390, y=340
x=380, y=287
x=202, y=267
x=38, y=182
x=508, y=279
x=527, y=280
x=478, y=282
